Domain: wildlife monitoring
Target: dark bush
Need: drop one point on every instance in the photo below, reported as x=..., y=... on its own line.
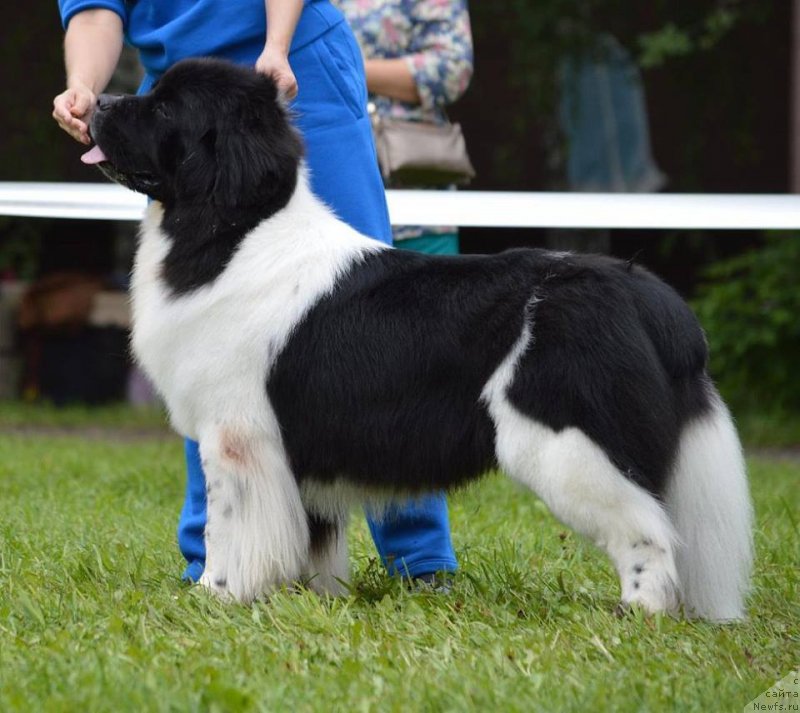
x=749, y=306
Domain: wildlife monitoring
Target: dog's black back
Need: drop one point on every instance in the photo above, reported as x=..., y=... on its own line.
x=411, y=341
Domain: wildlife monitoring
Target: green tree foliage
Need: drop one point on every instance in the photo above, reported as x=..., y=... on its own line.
x=542, y=33
x=749, y=306
x=521, y=46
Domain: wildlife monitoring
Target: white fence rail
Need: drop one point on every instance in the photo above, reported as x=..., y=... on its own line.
x=105, y=201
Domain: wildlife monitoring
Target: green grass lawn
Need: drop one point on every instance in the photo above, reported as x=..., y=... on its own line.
x=92, y=616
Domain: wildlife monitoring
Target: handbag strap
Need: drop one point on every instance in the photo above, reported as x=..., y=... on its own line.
x=375, y=116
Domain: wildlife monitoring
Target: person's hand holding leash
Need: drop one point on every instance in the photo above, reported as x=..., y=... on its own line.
x=72, y=110
x=282, y=17
x=275, y=63
x=92, y=46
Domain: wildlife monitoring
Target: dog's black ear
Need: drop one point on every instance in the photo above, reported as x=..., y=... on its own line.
x=257, y=152
x=195, y=168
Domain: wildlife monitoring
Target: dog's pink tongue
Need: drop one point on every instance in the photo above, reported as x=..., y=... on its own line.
x=93, y=156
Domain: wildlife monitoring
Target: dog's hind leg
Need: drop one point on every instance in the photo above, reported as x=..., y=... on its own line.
x=256, y=530
x=327, y=570
x=584, y=490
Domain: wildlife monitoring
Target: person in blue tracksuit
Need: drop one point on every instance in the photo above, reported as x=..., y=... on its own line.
x=308, y=48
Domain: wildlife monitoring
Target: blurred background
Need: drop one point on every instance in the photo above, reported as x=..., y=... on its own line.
x=600, y=95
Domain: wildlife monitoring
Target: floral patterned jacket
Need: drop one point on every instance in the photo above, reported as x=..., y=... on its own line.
x=435, y=39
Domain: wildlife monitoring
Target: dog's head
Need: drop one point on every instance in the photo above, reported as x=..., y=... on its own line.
x=209, y=133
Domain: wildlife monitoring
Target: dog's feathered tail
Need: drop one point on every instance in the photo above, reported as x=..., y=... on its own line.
x=707, y=494
x=709, y=502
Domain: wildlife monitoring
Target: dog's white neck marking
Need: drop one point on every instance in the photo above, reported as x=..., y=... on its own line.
x=202, y=347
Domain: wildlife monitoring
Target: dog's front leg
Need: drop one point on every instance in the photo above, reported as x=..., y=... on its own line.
x=256, y=530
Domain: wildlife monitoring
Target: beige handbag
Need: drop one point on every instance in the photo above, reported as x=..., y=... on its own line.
x=420, y=154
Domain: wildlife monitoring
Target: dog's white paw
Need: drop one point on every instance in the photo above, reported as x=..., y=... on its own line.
x=652, y=591
x=215, y=584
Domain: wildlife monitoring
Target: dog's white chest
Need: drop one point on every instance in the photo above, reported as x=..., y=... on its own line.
x=209, y=351
x=188, y=345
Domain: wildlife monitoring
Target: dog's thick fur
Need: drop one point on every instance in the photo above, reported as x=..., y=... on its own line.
x=318, y=368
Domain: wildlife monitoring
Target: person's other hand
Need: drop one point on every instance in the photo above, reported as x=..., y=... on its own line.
x=72, y=110
x=275, y=63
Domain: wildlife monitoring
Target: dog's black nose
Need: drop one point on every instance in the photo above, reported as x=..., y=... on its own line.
x=104, y=101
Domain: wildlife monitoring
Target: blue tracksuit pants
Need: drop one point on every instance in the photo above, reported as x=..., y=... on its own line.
x=330, y=111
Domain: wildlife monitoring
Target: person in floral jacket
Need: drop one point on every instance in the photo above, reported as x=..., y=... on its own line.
x=418, y=59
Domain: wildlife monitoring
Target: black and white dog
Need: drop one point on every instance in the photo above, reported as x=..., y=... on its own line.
x=318, y=368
